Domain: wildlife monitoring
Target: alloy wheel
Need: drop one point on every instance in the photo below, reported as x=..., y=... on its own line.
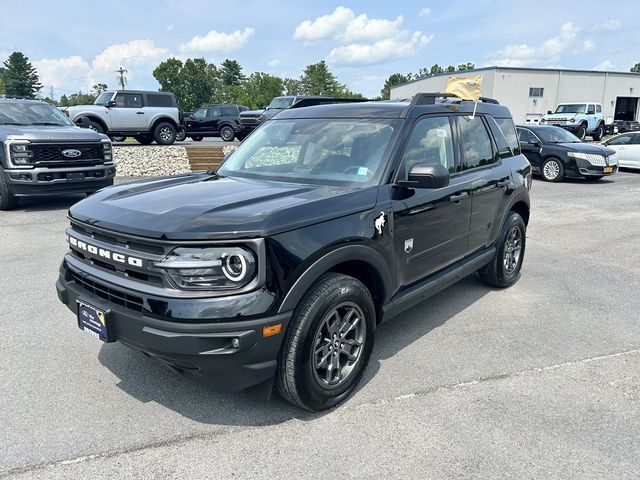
x=512, y=250
x=339, y=343
x=165, y=134
x=551, y=170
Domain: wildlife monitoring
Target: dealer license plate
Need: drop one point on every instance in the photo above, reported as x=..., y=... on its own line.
x=93, y=321
x=608, y=169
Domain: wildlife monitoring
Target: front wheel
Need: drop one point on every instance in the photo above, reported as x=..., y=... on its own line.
x=181, y=134
x=598, y=133
x=504, y=269
x=552, y=170
x=582, y=132
x=7, y=199
x=118, y=138
x=328, y=343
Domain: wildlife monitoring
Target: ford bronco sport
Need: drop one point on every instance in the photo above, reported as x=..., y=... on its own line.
x=325, y=222
x=42, y=153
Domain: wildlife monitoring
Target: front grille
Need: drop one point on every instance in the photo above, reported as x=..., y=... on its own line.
x=109, y=294
x=596, y=160
x=52, y=153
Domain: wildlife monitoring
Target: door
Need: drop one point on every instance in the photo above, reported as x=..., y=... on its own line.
x=531, y=147
x=431, y=226
x=481, y=144
x=128, y=114
x=196, y=120
x=212, y=121
x=592, y=118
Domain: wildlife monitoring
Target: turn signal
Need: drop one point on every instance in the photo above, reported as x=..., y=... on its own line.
x=271, y=330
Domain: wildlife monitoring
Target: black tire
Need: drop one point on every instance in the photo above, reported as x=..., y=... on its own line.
x=552, y=170
x=504, y=269
x=581, y=133
x=598, y=133
x=164, y=133
x=144, y=139
x=227, y=133
x=7, y=199
x=96, y=127
x=118, y=138
x=297, y=377
x=181, y=134
x=197, y=139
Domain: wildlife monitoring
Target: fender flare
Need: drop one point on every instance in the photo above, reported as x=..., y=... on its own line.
x=335, y=257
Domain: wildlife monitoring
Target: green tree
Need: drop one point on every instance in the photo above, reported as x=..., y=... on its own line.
x=231, y=72
x=1, y=80
x=193, y=82
x=317, y=79
x=291, y=86
x=392, y=81
x=450, y=69
x=635, y=68
x=258, y=90
x=436, y=70
x=466, y=66
x=77, y=99
x=20, y=77
x=98, y=88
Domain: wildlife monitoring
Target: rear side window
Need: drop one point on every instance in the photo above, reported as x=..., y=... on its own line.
x=599, y=108
x=159, y=100
x=509, y=131
x=229, y=111
x=477, y=150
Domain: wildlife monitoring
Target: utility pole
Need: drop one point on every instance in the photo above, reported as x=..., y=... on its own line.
x=122, y=79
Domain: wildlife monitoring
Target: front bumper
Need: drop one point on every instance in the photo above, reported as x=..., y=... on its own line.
x=228, y=355
x=59, y=181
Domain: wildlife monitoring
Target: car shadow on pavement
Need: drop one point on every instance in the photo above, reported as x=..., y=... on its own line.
x=44, y=204
x=149, y=381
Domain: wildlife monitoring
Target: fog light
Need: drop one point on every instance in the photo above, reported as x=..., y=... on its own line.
x=235, y=342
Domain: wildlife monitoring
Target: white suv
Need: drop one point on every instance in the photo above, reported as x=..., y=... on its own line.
x=145, y=115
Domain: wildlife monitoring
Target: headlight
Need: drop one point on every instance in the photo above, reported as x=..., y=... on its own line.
x=577, y=155
x=107, y=153
x=219, y=268
x=613, y=159
x=21, y=153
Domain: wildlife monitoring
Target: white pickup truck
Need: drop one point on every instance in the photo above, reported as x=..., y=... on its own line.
x=144, y=115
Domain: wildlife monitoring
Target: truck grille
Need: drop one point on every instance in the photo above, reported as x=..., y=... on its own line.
x=110, y=294
x=51, y=154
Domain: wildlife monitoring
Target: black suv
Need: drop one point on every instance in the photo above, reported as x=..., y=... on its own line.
x=214, y=121
x=280, y=265
x=42, y=153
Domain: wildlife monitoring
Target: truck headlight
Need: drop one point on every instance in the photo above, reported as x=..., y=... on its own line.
x=579, y=155
x=107, y=151
x=21, y=153
x=215, y=268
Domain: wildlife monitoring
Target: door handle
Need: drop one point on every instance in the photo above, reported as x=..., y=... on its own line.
x=502, y=183
x=458, y=197
x=139, y=113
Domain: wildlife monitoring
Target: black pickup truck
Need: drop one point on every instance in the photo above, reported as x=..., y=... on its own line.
x=279, y=266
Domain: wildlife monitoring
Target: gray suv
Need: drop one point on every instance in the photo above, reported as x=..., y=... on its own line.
x=43, y=153
x=144, y=115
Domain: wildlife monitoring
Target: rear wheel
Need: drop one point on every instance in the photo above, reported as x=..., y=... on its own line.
x=598, y=133
x=552, y=170
x=118, y=138
x=328, y=343
x=197, y=139
x=144, y=139
x=164, y=133
x=7, y=199
x=227, y=133
x=504, y=269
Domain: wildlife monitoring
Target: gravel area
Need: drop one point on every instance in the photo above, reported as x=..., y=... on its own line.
x=150, y=160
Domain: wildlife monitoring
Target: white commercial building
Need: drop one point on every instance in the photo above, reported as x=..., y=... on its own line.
x=531, y=92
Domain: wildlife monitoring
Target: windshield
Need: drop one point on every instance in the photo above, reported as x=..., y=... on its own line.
x=103, y=98
x=19, y=113
x=556, y=135
x=280, y=103
x=318, y=151
x=571, y=108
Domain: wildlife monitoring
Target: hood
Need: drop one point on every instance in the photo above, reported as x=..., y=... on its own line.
x=586, y=148
x=43, y=133
x=202, y=206
x=251, y=113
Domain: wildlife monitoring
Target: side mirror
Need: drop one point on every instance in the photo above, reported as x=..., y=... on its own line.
x=423, y=175
x=111, y=103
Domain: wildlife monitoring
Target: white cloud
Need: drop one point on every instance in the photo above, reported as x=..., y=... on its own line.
x=132, y=54
x=605, y=65
x=274, y=63
x=63, y=72
x=379, y=51
x=326, y=26
x=609, y=26
x=547, y=54
x=425, y=12
x=218, y=41
x=362, y=40
x=587, y=46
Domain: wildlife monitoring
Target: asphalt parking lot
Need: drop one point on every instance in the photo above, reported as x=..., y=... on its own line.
x=538, y=381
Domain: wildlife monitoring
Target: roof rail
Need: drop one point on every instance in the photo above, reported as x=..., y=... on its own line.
x=310, y=102
x=430, y=99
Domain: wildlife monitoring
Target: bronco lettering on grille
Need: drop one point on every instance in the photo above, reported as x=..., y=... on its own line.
x=101, y=252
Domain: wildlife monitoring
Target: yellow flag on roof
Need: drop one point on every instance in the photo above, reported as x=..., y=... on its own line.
x=466, y=88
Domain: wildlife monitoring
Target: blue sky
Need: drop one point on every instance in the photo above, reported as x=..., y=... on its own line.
x=75, y=44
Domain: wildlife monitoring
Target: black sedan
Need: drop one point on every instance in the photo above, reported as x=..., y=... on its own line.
x=556, y=153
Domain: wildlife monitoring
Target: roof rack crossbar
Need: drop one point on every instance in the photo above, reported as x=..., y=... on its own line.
x=310, y=102
x=430, y=99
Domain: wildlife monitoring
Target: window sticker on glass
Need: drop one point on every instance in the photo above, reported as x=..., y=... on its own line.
x=362, y=171
x=441, y=133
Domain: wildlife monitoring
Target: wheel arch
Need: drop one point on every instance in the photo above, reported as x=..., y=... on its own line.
x=93, y=118
x=359, y=261
x=522, y=209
